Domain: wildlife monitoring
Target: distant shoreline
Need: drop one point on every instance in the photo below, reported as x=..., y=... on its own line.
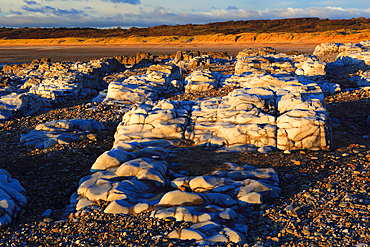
x=26, y=54
x=25, y=51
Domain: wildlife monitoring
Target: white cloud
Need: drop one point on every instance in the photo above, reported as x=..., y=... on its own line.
x=46, y=16
x=51, y=10
x=133, y=2
x=232, y=8
x=30, y=2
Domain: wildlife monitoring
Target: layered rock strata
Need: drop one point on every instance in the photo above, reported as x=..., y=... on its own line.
x=70, y=81
x=135, y=182
x=349, y=55
x=202, y=80
x=269, y=111
x=59, y=81
x=158, y=80
x=306, y=65
x=33, y=87
x=288, y=115
x=342, y=50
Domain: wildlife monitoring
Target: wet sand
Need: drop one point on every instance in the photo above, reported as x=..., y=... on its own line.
x=25, y=54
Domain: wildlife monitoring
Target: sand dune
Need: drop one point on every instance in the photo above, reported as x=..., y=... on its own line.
x=67, y=49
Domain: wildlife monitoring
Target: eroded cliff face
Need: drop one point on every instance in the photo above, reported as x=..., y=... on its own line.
x=317, y=37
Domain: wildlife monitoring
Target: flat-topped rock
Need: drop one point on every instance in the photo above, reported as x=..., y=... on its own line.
x=169, y=69
x=55, y=88
x=202, y=80
x=181, y=198
x=164, y=120
x=99, y=66
x=49, y=134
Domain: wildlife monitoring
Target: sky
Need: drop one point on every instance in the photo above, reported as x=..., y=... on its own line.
x=144, y=13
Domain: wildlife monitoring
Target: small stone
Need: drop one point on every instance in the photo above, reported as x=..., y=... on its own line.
x=48, y=220
x=252, y=198
x=275, y=239
x=296, y=162
x=263, y=207
x=289, y=208
x=179, y=198
x=47, y=213
x=265, y=150
x=92, y=137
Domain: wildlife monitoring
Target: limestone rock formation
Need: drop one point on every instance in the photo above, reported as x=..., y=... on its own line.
x=135, y=185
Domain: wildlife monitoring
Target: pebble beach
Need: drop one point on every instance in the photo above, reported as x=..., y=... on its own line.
x=325, y=198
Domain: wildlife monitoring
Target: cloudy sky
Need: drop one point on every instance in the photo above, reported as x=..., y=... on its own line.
x=144, y=13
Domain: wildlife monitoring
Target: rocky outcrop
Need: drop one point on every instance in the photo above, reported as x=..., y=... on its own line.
x=305, y=65
x=253, y=52
x=139, y=58
x=61, y=81
x=186, y=55
x=255, y=115
x=349, y=55
x=211, y=202
x=329, y=50
x=202, y=80
x=158, y=80
x=346, y=54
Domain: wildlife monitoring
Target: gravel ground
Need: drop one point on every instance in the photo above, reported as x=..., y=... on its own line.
x=325, y=197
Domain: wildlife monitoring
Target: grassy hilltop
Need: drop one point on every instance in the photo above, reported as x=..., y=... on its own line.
x=283, y=30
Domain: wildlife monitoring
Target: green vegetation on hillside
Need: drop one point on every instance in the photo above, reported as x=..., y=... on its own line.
x=295, y=25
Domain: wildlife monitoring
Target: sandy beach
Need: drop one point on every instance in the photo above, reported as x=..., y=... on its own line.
x=25, y=54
